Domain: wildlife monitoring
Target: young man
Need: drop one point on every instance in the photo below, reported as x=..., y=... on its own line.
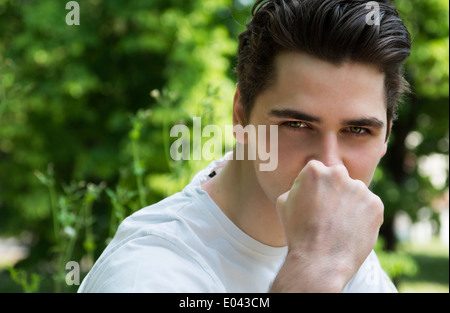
x=328, y=73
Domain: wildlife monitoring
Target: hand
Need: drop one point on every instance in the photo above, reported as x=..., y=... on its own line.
x=331, y=223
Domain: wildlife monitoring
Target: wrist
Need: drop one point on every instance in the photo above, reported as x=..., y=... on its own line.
x=305, y=273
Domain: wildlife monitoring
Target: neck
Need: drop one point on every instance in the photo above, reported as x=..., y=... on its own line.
x=237, y=192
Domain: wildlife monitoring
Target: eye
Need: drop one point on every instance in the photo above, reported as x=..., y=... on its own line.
x=296, y=124
x=358, y=130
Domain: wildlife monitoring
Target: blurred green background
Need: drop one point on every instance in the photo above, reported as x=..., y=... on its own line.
x=86, y=112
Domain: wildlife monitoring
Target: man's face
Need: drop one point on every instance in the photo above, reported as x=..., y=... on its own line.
x=333, y=114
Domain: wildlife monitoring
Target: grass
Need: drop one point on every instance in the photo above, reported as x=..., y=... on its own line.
x=433, y=268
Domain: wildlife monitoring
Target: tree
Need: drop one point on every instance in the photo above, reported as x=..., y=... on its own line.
x=76, y=110
x=422, y=129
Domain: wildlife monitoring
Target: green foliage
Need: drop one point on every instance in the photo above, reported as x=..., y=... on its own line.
x=421, y=134
x=29, y=283
x=396, y=264
x=77, y=115
x=72, y=219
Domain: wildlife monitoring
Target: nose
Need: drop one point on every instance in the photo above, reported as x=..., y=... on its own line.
x=327, y=150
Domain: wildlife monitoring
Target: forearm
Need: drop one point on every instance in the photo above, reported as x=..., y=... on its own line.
x=300, y=275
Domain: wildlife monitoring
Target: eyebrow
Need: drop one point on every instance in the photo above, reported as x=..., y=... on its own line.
x=294, y=114
x=372, y=122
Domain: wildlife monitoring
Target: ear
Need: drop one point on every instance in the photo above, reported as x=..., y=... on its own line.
x=238, y=109
x=238, y=116
x=383, y=153
x=388, y=134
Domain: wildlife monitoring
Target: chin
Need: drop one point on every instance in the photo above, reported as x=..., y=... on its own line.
x=271, y=186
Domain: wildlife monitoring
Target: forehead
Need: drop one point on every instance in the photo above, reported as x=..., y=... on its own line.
x=322, y=88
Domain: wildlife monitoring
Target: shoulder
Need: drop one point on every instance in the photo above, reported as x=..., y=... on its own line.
x=371, y=278
x=156, y=250
x=151, y=262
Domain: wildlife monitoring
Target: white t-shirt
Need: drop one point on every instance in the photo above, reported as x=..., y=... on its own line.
x=185, y=243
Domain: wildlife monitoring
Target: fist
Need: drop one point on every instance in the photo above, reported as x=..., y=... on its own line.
x=331, y=221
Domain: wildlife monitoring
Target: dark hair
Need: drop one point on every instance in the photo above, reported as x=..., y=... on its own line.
x=332, y=30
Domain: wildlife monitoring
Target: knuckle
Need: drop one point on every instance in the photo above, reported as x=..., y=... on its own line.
x=360, y=186
x=377, y=202
x=314, y=169
x=281, y=200
x=378, y=208
x=314, y=163
x=340, y=171
x=315, y=166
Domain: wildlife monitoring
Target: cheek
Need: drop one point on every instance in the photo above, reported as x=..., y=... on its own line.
x=275, y=183
x=361, y=164
x=291, y=158
x=290, y=164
